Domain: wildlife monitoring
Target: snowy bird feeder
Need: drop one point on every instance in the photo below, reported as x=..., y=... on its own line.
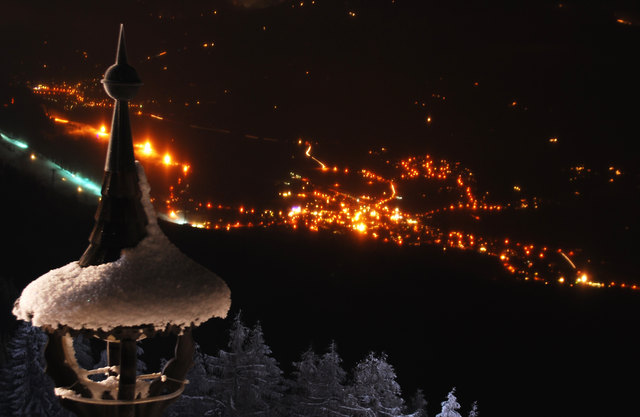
x=130, y=283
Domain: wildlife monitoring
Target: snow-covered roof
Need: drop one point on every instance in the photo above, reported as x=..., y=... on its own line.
x=152, y=284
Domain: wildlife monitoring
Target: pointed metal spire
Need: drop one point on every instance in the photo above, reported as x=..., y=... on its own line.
x=121, y=80
x=121, y=55
x=120, y=218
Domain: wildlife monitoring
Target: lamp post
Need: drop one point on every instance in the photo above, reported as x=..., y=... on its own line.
x=131, y=283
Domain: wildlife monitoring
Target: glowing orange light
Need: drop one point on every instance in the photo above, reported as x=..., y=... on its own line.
x=167, y=159
x=147, y=150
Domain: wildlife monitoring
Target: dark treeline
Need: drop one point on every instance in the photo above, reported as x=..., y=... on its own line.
x=244, y=379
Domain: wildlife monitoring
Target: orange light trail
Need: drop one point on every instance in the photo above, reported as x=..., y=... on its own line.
x=568, y=260
x=322, y=165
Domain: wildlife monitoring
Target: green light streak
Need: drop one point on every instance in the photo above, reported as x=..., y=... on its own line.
x=85, y=183
x=14, y=142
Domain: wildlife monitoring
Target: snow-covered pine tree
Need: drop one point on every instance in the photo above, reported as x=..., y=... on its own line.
x=84, y=355
x=450, y=406
x=198, y=398
x=226, y=365
x=141, y=367
x=318, y=388
x=8, y=294
x=249, y=380
x=418, y=405
x=302, y=388
x=25, y=390
x=201, y=379
x=474, y=410
x=375, y=387
x=331, y=378
x=305, y=370
x=268, y=373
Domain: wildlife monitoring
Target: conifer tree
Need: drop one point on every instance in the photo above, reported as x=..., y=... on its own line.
x=201, y=379
x=141, y=366
x=319, y=389
x=375, y=387
x=267, y=374
x=474, y=410
x=249, y=380
x=450, y=406
x=198, y=396
x=25, y=390
x=305, y=371
x=331, y=378
x=304, y=385
x=418, y=404
x=82, y=348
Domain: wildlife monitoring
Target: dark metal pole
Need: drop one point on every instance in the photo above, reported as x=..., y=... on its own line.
x=127, y=383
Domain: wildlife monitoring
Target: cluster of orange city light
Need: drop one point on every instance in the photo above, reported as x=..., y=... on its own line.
x=425, y=168
x=69, y=96
x=323, y=204
x=330, y=209
x=72, y=96
x=45, y=90
x=315, y=207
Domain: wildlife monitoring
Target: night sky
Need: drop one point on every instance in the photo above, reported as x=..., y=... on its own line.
x=533, y=106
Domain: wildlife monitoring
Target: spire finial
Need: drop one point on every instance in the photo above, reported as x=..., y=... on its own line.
x=121, y=56
x=120, y=218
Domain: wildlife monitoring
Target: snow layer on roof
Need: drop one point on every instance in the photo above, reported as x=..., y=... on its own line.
x=151, y=284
